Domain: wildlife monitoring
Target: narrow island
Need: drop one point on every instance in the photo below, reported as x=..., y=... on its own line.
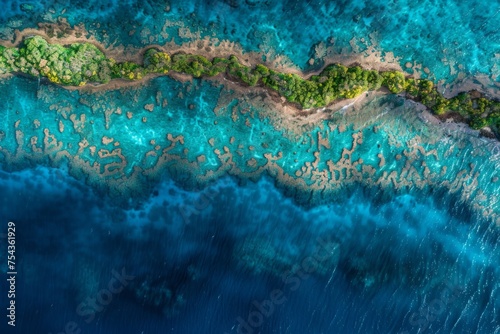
x=81, y=63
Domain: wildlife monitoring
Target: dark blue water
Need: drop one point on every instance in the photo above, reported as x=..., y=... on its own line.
x=382, y=267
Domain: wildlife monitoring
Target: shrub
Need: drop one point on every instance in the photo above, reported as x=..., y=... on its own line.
x=394, y=81
x=80, y=63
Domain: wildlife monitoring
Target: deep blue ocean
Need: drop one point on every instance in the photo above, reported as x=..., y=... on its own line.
x=213, y=213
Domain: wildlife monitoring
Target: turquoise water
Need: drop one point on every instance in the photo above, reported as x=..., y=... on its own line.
x=448, y=37
x=197, y=138
x=397, y=249
x=373, y=218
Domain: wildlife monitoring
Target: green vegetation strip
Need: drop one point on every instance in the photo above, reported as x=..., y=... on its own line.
x=82, y=63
